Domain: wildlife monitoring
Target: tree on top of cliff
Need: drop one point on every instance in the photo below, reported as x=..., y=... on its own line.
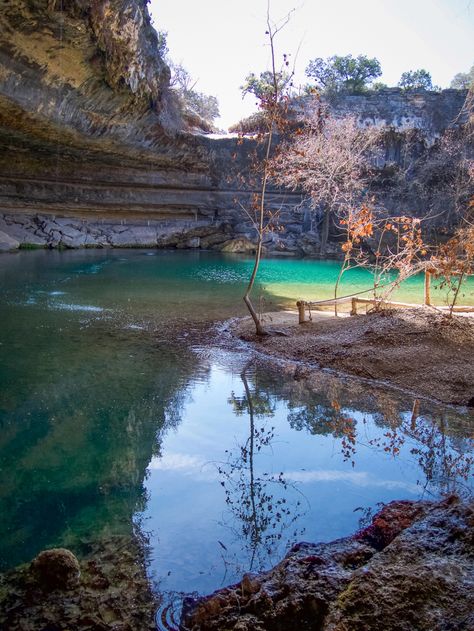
x=205, y=106
x=348, y=74
x=263, y=85
x=162, y=44
x=416, y=80
x=464, y=80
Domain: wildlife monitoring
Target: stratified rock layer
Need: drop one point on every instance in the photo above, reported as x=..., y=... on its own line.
x=411, y=569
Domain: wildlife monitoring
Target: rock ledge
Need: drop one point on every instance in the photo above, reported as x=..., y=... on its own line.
x=410, y=569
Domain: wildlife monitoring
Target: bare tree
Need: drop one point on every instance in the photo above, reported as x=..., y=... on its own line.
x=272, y=103
x=329, y=159
x=453, y=261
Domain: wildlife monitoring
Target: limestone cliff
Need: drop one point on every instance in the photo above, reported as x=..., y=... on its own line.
x=94, y=150
x=87, y=122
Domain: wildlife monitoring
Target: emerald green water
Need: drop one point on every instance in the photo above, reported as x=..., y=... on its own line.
x=116, y=417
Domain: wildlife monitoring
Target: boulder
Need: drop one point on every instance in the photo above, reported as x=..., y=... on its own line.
x=49, y=226
x=191, y=243
x=243, y=246
x=8, y=243
x=23, y=232
x=214, y=239
x=93, y=241
x=57, y=568
x=71, y=232
x=410, y=569
x=77, y=241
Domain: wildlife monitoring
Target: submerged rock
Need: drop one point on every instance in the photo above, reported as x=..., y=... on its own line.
x=56, y=569
x=411, y=569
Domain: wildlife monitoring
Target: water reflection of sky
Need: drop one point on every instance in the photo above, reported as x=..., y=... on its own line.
x=196, y=540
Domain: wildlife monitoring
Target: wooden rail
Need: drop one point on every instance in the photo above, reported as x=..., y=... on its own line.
x=303, y=305
x=354, y=300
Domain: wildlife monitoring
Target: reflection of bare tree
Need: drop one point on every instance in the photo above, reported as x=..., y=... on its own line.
x=438, y=441
x=444, y=457
x=260, y=510
x=445, y=462
x=327, y=420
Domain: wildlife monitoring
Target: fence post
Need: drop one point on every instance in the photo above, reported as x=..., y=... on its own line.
x=301, y=311
x=427, y=288
x=354, y=306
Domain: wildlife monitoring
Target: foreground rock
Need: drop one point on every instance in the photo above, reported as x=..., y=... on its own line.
x=108, y=590
x=411, y=569
x=420, y=350
x=56, y=569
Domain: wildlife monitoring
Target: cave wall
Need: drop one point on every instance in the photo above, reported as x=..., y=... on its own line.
x=94, y=149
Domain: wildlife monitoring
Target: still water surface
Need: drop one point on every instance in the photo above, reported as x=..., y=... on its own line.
x=116, y=417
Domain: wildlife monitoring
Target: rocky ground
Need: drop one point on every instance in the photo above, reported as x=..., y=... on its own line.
x=420, y=350
x=410, y=569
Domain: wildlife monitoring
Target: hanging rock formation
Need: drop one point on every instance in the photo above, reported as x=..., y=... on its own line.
x=89, y=128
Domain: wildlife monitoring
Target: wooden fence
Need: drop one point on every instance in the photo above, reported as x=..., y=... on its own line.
x=354, y=300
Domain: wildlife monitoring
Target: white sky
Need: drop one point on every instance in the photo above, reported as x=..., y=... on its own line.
x=221, y=41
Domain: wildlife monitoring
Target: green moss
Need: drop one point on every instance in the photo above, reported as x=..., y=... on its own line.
x=31, y=246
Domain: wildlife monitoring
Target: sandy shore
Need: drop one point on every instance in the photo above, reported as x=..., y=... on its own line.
x=420, y=350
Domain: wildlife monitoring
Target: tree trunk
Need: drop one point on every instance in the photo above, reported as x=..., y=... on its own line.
x=427, y=288
x=258, y=255
x=324, y=233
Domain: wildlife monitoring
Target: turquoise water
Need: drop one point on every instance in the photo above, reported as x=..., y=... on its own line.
x=116, y=418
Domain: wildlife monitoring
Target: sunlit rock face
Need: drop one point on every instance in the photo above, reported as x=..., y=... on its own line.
x=95, y=152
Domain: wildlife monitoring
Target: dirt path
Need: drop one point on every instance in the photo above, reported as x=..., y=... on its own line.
x=416, y=349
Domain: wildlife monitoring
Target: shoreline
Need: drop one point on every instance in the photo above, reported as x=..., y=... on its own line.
x=415, y=350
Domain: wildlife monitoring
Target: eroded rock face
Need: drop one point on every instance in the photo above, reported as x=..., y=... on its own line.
x=411, y=569
x=84, y=64
x=88, y=125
